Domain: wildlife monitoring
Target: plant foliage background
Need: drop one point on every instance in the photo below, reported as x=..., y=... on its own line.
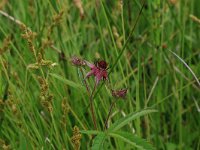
x=43, y=101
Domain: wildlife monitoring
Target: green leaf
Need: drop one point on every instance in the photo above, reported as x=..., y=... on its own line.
x=99, y=141
x=90, y=132
x=171, y=146
x=68, y=82
x=23, y=144
x=187, y=66
x=134, y=140
x=54, y=5
x=123, y=121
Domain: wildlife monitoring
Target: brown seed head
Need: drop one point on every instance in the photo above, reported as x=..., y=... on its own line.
x=76, y=138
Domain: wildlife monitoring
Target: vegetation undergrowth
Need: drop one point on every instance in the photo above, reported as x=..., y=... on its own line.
x=99, y=74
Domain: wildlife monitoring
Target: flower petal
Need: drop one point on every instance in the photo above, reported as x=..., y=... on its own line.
x=89, y=74
x=98, y=77
x=90, y=64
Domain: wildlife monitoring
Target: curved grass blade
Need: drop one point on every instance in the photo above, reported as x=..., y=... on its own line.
x=98, y=140
x=90, y=132
x=68, y=82
x=54, y=5
x=134, y=140
x=186, y=65
x=123, y=121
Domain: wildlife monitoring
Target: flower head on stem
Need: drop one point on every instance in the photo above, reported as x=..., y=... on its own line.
x=119, y=93
x=116, y=94
x=76, y=61
x=99, y=70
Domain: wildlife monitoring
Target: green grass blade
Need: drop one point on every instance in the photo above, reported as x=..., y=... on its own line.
x=99, y=141
x=186, y=65
x=129, y=37
x=124, y=46
x=130, y=117
x=54, y=5
x=134, y=140
x=68, y=82
x=90, y=132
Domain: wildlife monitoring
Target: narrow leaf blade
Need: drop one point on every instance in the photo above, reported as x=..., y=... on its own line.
x=99, y=141
x=90, y=132
x=68, y=82
x=130, y=117
x=54, y=5
x=134, y=140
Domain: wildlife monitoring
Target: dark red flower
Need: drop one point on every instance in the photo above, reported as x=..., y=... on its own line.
x=102, y=64
x=99, y=71
x=119, y=93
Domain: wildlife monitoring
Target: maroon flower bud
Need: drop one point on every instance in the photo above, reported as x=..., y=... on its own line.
x=119, y=93
x=102, y=64
x=77, y=61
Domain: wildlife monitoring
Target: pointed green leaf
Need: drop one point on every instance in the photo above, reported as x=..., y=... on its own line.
x=99, y=141
x=90, y=132
x=54, y=5
x=123, y=121
x=132, y=139
x=68, y=82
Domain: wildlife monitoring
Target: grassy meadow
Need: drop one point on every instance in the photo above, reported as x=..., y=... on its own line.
x=145, y=55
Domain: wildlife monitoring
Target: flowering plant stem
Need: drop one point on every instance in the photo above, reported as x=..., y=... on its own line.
x=108, y=116
x=91, y=99
x=92, y=107
x=85, y=82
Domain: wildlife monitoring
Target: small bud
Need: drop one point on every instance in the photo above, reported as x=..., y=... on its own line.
x=119, y=93
x=77, y=61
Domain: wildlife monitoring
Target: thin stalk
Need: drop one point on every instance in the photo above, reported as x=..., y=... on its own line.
x=108, y=116
x=92, y=107
x=125, y=44
x=91, y=99
x=180, y=101
x=128, y=38
x=85, y=82
x=138, y=121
